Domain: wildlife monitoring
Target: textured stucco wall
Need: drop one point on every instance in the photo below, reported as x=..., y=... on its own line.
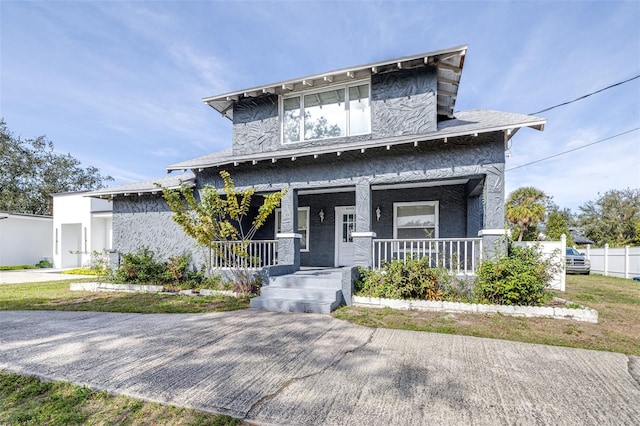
x=145, y=221
x=402, y=103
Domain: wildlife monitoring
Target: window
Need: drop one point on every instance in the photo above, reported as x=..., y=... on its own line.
x=416, y=220
x=330, y=113
x=303, y=226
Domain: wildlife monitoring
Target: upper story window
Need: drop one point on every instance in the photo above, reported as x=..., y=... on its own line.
x=327, y=113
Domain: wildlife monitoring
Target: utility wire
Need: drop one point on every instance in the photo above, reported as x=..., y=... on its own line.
x=586, y=96
x=574, y=149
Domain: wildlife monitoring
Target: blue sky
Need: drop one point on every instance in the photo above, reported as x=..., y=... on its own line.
x=119, y=84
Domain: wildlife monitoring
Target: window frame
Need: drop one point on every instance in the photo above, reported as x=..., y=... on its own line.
x=434, y=203
x=278, y=215
x=347, y=111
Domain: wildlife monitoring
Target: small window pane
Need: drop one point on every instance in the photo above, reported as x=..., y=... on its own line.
x=291, y=120
x=324, y=115
x=415, y=233
x=359, y=110
x=416, y=216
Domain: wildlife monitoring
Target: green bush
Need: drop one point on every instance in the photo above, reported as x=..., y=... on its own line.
x=520, y=278
x=406, y=279
x=142, y=268
x=44, y=263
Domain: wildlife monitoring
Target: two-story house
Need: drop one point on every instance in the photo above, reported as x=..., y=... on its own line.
x=378, y=164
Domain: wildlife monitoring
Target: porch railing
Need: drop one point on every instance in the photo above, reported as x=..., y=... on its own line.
x=259, y=253
x=458, y=255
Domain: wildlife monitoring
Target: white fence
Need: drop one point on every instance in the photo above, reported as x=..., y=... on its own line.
x=244, y=254
x=556, y=251
x=458, y=255
x=623, y=262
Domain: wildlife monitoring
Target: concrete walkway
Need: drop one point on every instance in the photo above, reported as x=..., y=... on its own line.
x=36, y=275
x=305, y=369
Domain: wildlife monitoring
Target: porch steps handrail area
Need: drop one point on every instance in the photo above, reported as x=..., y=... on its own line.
x=260, y=253
x=460, y=256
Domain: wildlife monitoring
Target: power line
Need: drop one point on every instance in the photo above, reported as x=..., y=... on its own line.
x=574, y=149
x=586, y=96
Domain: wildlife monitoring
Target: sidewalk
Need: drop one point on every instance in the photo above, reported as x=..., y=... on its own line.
x=305, y=369
x=36, y=275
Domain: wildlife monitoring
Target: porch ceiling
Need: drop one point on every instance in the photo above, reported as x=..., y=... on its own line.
x=449, y=63
x=466, y=123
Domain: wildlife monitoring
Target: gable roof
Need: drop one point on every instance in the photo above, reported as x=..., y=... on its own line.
x=470, y=122
x=449, y=63
x=147, y=186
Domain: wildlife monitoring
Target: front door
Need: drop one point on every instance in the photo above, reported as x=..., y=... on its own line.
x=345, y=225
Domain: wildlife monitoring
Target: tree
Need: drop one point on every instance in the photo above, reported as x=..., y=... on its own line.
x=525, y=209
x=32, y=171
x=219, y=218
x=558, y=224
x=613, y=218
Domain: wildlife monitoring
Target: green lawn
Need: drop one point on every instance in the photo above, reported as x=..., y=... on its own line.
x=616, y=300
x=27, y=400
x=55, y=295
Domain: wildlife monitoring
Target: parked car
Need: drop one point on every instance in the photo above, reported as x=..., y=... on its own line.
x=577, y=263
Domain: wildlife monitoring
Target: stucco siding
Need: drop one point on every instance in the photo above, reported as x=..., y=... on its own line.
x=145, y=221
x=402, y=103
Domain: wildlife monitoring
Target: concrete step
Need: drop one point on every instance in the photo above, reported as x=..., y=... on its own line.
x=295, y=293
x=287, y=305
x=296, y=281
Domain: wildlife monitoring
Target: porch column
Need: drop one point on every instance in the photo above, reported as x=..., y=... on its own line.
x=493, y=232
x=288, y=238
x=363, y=237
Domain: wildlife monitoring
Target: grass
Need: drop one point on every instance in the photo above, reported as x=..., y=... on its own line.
x=616, y=300
x=27, y=400
x=84, y=271
x=16, y=267
x=55, y=295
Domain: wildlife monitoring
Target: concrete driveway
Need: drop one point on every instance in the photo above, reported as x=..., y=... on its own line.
x=36, y=275
x=305, y=369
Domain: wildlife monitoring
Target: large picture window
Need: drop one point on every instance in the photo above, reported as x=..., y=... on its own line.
x=303, y=226
x=327, y=113
x=415, y=220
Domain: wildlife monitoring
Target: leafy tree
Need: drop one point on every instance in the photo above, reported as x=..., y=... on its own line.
x=32, y=171
x=558, y=224
x=613, y=218
x=216, y=218
x=525, y=209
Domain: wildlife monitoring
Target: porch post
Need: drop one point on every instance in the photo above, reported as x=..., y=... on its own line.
x=363, y=237
x=288, y=238
x=493, y=233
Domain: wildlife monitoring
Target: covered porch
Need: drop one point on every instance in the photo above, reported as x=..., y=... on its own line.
x=369, y=224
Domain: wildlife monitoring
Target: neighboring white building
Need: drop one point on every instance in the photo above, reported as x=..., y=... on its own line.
x=81, y=225
x=25, y=239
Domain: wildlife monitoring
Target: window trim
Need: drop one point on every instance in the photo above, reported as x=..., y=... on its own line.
x=302, y=93
x=434, y=203
x=278, y=213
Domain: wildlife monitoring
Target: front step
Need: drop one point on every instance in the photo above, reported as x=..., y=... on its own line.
x=316, y=291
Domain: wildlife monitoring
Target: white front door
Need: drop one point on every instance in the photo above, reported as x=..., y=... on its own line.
x=345, y=225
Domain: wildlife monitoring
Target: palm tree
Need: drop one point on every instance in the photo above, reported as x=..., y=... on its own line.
x=525, y=208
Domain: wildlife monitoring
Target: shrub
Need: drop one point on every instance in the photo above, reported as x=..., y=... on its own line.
x=177, y=267
x=520, y=278
x=44, y=263
x=141, y=268
x=411, y=278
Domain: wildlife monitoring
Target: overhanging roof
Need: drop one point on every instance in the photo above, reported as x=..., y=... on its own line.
x=449, y=63
x=147, y=186
x=472, y=122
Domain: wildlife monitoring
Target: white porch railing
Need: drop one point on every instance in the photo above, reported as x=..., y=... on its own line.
x=458, y=255
x=259, y=253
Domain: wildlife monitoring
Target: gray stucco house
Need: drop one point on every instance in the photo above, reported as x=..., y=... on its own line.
x=378, y=163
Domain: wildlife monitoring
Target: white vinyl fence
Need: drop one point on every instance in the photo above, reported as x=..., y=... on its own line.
x=622, y=262
x=554, y=250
